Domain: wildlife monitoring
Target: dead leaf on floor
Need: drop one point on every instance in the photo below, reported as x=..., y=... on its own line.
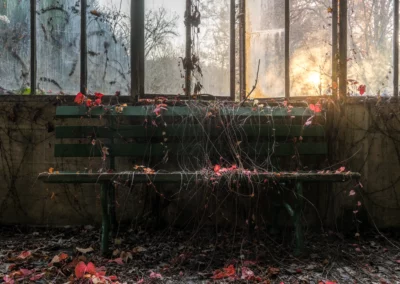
x=139, y=249
x=24, y=255
x=272, y=271
x=85, y=251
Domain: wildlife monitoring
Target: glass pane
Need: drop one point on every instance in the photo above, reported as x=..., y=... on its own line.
x=370, y=47
x=265, y=38
x=15, y=46
x=108, y=39
x=58, y=46
x=164, y=45
x=212, y=46
x=310, y=48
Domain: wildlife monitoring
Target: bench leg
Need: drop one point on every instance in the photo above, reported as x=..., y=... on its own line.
x=298, y=228
x=105, y=230
x=112, y=209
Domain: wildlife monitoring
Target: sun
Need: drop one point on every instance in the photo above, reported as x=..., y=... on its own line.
x=314, y=78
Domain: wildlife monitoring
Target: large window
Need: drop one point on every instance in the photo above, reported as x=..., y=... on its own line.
x=97, y=56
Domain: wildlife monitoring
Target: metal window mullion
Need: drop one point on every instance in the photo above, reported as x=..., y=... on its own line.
x=334, y=47
x=83, y=55
x=343, y=48
x=137, y=49
x=33, y=66
x=287, y=49
x=396, y=48
x=232, y=49
x=242, y=48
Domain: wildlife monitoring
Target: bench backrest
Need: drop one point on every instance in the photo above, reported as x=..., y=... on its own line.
x=195, y=136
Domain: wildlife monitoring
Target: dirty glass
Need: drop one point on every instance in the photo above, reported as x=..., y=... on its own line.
x=265, y=43
x=310, y=48
x=58, y=46
x=15, y=46
x=370, y=41
x=108, y=44
x=164, y=45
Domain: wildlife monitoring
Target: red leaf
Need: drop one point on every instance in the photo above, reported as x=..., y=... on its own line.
x=37, y=276
x=88, y=102
x=341, y=170
x=247, y=274
x=359, y=204
x=63, y=256
x=117, y=260
x=98, y=95
x=217, y=168
x=80, y=269
x=315, y=108
x=8, y=280
x=154, y=275
x=225, y=273
x=362, y=89
x=24, y=254
x=91, y=268
x=113, y=278
x=26, y=272
x=79, y=98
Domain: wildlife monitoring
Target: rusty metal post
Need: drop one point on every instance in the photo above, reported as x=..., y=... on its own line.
x=83, y=51
x=33, y=47
x=137, y=49
x=396, y=49
x=334, y=47
x=287, y=49
x=233, y=50
x=242, y=48
x=343, y=48
x=188, y=56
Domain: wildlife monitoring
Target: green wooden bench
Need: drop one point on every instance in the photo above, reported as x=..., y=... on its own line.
x=284, y=144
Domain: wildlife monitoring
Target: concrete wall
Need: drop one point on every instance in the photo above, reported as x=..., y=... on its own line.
x=364, y=137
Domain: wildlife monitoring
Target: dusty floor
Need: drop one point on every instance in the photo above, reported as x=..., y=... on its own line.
x=170, y=256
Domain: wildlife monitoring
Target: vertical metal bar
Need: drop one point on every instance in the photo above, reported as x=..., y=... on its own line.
x=396, y=49
x=33, y=47
x=233, y=50
x=188, y=56
x=83, y=47
x=242, y=48
x=105, y=230
x=334, y=47
x=298, y=228
x=287, y=49
x=137, y=49
x=343, y=48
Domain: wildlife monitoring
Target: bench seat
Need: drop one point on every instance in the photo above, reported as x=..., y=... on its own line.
x=184, y=177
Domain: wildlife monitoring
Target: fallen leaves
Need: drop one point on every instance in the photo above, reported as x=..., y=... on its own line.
x=228, y=272
x=96, y=275
x=85, y=251
x=59, y=258
x=154, y=275
x=24, y=255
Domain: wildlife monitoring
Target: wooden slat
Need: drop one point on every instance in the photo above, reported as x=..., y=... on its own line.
x=139, y=131
x=142, y=150
x=179, y=177
x=144, y=111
